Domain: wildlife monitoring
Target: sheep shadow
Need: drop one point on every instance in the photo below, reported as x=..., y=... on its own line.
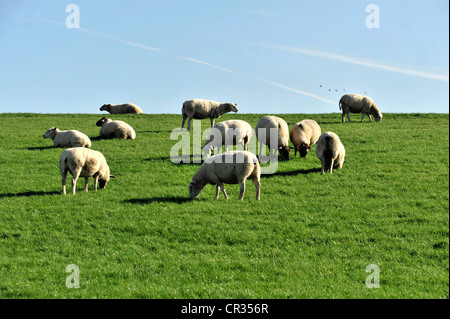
x=182, y=160
x=153, y=131
x=39, y=148
x=28, y=194
x=293, y=173
x=169, y=199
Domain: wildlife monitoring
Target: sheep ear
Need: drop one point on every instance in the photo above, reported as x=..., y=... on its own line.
x=112, y=176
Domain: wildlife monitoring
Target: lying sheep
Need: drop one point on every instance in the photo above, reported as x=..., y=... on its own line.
x=71, y=138
x=230, y=168
x=357, y=103
x=83, y=162
x=330, y=151
x=231, y=132
x=203, y=109
x=263, y=130
x=121, y=108
x=303, y=135
x=115, y=129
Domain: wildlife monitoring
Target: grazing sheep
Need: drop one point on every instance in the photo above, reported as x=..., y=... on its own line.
x=115, y=129
x=83, y=162
x=232, y=132
x=263, y=128
x=330, y=151
x=203, y=109
x=357, y=103
x=303, y=135
x=230, y=168
x=121, y=108
x=71, y=138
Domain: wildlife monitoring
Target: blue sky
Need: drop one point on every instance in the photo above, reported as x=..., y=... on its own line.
x=266, y=56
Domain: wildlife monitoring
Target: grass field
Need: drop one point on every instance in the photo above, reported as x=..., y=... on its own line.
x=310, y=235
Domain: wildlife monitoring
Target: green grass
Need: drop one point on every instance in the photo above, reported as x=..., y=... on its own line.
x=310, y=235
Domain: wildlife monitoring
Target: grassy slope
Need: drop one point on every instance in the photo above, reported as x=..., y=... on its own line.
x=310, y=236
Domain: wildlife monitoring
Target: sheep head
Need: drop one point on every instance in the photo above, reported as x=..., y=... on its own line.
x=195, y=189
x=284, y=152
x=304, y=149
x=105, y=107
x=101, y=121
x=50, y=133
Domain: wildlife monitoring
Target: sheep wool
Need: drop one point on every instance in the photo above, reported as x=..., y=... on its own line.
x=231, y=132
x=232, y=167
x=330, y=151
x=303, y=135
x=122, y=108
x=70, y=138
x=83, y=162
x=357, y=103
x=203, y=109
x=115, y=129
x=263, y=128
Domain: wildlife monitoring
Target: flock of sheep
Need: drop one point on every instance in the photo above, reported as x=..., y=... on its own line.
x=231, y=167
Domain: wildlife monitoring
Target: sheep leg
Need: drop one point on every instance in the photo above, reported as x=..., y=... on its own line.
x=64, y=177
x=348, y=116
x=370, y=117
x=86, y=182
x=217, y=191
x=331, y=166
x=95, y=183
x=362, y=117
x=242, y=187
x=184, y=120
x=257, y=186
x=323, y=167
x=343, y=117
x=212, y=122
x=189, y=124
x=223, y=190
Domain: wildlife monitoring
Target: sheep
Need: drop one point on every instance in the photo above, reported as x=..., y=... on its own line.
x=330, y=151
x=231, y=168
x=70, y=138
x=203, y=109
x=122, y=108
x=115, y=129
x=303, y=135
x=357, y=103
x=232, y=132
x=83, y=162
x=263, y=128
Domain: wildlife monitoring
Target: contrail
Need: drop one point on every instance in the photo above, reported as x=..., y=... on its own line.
x=346, y=59
x=138, y=45
x=206, y=63
x=107, y=36
x=298, y=91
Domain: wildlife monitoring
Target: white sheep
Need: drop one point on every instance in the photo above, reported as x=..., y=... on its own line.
x=230, y=168
x=121, y=108
x=304, y=134
x=263, y=130
x=70, y=138
x=357, y=103
x=330, y=151
x=204, y=109
x=231, y=132
x=83, y=162
x=115, y=129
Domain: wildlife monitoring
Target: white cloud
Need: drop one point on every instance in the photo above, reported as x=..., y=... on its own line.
x=352, y=60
